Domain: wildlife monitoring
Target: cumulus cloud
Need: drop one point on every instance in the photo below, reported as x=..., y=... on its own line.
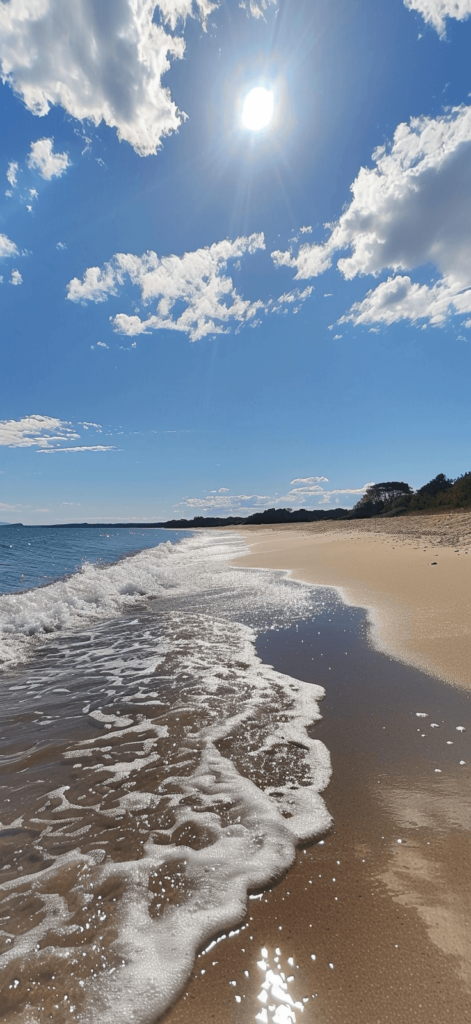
x=410, y=210
x=314, y=492
x=435, y=12
x=101, y=60
x=42, y=159
x=310, y=494
x=7, y=247
x=16, y=277
x=34, y=430
x=196, y=280
x=227, y=504
x=12, y=173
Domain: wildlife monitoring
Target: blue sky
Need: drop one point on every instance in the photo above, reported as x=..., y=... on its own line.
x=199, y=318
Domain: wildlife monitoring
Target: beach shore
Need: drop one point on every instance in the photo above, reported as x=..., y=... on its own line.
x=371, y=925
x=413, y=574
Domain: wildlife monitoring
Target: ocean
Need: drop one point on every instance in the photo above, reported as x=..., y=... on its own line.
x=154, y=771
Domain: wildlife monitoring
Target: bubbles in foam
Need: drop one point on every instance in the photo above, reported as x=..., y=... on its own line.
x=174, y=774
x=194, y=569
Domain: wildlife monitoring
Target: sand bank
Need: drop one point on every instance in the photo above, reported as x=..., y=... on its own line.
x=413, y=574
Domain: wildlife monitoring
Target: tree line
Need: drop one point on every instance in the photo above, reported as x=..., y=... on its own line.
x=395, y=497
x=389, y=498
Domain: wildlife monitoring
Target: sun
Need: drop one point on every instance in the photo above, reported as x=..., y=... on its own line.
x=257, y=109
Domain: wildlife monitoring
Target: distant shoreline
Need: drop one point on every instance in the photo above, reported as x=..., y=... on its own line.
x=210, y=522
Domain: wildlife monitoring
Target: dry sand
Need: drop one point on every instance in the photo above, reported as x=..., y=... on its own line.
x=384, y=904
x=420, y=611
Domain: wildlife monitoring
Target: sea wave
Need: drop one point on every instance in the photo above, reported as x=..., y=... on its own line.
x=157, y=773
x=195, y=567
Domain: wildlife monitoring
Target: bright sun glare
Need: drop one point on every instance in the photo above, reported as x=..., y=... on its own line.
x=257, y=110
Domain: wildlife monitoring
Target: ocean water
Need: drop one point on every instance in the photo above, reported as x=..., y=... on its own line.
x=32, y=556
x=153, y=772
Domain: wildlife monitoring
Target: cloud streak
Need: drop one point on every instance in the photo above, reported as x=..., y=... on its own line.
x=197, y=281
x=80, y=448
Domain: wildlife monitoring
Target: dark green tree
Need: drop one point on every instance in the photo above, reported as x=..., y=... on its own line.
x=383, y=497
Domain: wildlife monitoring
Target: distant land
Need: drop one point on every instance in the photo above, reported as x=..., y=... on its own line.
x=390, y=498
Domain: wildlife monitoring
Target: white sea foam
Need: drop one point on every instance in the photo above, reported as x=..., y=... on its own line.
x=195, y=567
x=188, y=781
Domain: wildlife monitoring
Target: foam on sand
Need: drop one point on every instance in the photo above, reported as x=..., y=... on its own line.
x=184, y=783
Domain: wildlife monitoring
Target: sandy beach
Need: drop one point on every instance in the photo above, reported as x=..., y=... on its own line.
x=413, y=574
x=371, y=925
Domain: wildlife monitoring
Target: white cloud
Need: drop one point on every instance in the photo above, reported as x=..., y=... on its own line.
x=86, y=424
x=102, y=60
x=306, y=230
x=435, y=12
x=81, y=448
x=196, y=280
x=291, y=301
x=34, y=430
x=317, y=493
x=227, y=504
x=102, y=344
x=223, y=490
x=61, y=245
x=411, y=209
x=309, y=495
x=7, y=247
x=399, y=298
x=256, y=8
x=12, y=173
x=16, y=277
x=48, y=164
x=310, y=480
x=174, y=10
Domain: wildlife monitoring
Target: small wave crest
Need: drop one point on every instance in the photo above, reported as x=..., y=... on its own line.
x=194, y=568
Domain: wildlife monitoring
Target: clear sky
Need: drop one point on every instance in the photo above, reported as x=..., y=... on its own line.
x=205, y=314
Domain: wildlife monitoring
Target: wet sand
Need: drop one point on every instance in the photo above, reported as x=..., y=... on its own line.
x=412, y=573
x=384, y=902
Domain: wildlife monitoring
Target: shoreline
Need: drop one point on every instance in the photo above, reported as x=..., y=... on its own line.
x=371, y=921
x=413, y=575
x=392, y=944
